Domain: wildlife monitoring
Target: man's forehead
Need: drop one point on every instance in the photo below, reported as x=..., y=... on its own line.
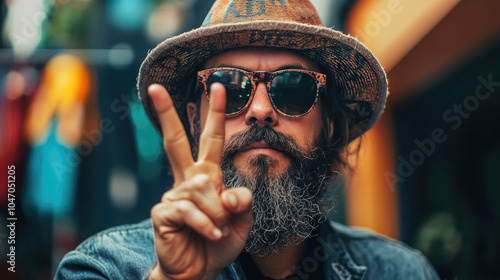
x=262, y=59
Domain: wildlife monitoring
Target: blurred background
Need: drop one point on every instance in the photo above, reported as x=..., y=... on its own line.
x=86, y=157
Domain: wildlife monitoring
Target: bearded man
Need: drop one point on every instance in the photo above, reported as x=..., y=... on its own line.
x=256, y=108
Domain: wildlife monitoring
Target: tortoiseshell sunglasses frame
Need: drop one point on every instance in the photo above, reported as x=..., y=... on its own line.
x=257, y=76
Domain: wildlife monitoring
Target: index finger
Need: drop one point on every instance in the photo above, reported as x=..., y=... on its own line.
x=212, y=137
x=175, y=141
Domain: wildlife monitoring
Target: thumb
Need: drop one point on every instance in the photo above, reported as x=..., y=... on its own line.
x=238, y=201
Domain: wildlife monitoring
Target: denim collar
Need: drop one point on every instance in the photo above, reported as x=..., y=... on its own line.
x=339, y=264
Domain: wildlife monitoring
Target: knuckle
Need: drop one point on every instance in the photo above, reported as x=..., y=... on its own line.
x=220, y=215
x=197, y=186
x=208, y=135
x=184, y=207
x=173, y=138
x=206, y=225
x=163, y=231
x=158, y=208
x=165, y=197
x=200, y=180
x=158, y=212
x=154, y=211
x=206, y=196
x=186, y=190
x=215, y=210
x=172, y=194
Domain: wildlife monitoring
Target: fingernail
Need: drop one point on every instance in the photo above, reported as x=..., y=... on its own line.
x=216, y=233
x=225, y=231
x=232, y=200
x=151, y=88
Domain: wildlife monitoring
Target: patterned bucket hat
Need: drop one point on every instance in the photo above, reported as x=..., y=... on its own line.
x=361, y=83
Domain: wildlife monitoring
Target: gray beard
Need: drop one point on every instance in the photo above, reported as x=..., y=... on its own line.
x=287, y=208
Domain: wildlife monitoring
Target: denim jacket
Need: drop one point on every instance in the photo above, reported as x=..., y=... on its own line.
x=127, y=252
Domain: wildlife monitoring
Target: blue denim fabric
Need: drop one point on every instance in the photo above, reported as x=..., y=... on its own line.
x=127, y=252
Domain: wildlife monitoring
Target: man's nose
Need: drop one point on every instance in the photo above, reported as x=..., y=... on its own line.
x=261, y=110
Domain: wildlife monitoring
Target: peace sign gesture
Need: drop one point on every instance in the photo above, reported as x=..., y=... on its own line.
x=200, y=226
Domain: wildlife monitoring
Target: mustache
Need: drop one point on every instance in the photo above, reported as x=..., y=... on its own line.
x=267, y=134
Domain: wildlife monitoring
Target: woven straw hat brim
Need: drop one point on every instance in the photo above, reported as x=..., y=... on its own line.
x=360, y=79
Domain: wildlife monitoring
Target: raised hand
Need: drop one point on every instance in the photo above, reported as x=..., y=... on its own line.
x=200, y=226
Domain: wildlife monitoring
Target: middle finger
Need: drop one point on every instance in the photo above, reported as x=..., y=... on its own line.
x=212, y=138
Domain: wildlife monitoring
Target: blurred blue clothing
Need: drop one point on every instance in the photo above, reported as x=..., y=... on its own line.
x=127, y=252
x=52, y=169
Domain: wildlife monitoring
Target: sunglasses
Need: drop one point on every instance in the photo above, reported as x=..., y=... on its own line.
x=293, y=92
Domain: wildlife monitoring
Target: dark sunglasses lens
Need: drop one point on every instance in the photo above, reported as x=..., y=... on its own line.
x=293, y=93
x=238, y=88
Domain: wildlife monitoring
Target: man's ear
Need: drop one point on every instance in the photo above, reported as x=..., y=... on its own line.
x=330, y=129
x=191, y=111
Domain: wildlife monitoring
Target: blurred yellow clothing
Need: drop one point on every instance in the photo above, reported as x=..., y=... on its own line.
x=64, y=88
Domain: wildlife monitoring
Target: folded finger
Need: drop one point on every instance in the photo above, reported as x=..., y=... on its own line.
x=169, y=218
x=201, y=191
